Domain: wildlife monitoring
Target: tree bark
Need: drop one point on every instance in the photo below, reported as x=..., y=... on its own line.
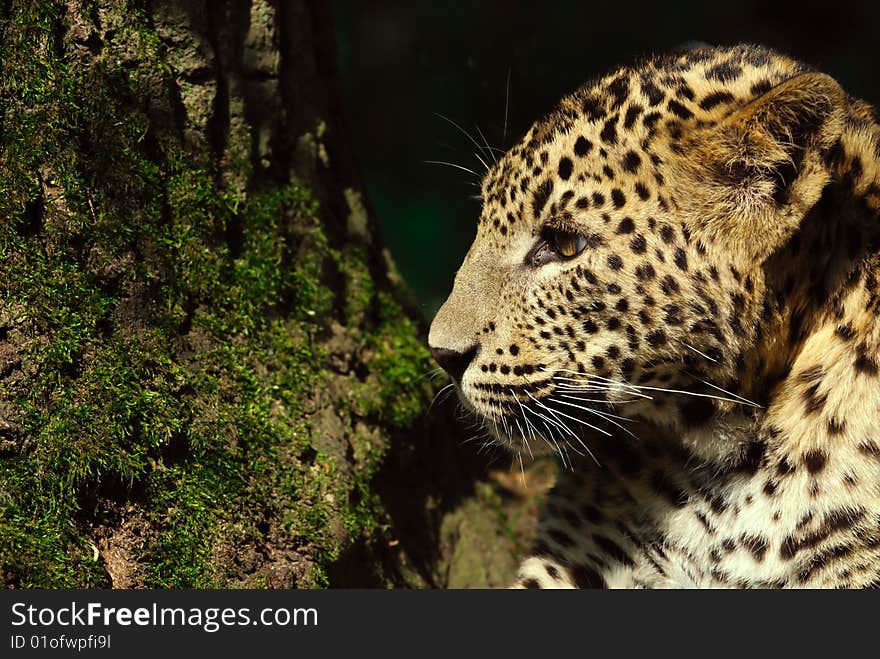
x=209, y=371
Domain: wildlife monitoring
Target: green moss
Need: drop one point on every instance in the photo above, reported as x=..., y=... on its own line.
x=166, y=324
x=402, y=363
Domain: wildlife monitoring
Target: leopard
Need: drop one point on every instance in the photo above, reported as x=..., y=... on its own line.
x=673, y=289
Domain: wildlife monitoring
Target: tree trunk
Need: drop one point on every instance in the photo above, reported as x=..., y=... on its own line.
x=209, y=373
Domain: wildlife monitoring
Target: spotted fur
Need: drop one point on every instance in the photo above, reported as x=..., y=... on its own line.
x=707, y=366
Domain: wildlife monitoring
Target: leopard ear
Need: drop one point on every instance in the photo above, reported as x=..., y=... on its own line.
x=763, y=166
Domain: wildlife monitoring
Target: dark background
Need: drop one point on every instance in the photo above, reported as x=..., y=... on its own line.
x=402, y=62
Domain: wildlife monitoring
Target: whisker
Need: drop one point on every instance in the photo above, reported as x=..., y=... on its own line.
x=483, y=162
x=432, y=372
x=699, y=352
x=466, y=134
x=589, y=409
x=445, y=390
x=522, y=469
x=607, y=417
x=526, y=421
x=555, y=412
x=599, y=378
x=601, y=385
x=565, y=446
x=474, y=438
x=569, y=430
x=730, y=393
x=549, y=437
x=574, y=448
x=594, y=388
x=563, y=426
x=593, y=400
x=699, y=395
x=522, y=434
x=486, y=142
x=674, y=391
x=495, y=423
x=558, y=448
x=506, y=429
x=452, y=164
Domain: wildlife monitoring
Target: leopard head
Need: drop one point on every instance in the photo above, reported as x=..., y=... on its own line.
x=631, y=253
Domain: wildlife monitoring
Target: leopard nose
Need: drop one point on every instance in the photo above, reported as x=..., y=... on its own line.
x=454, y=362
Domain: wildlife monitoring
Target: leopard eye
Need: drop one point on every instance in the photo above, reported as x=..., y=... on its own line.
x=567, y=244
